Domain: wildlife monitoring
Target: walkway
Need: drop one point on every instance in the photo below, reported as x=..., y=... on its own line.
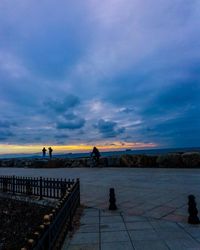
x=103, y=230
x=152, y=207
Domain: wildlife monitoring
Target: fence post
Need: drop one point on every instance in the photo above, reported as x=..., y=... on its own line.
x=5, y=184
x=13, y=184
x=78, y=186
x=70, y=215
x=40, y=187
x=63, y=188
x=28, y=187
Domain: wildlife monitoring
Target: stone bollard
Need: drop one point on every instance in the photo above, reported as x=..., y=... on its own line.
x=112, y=200
x=41, y=228
x=30, y=243
x=36, y=235
x=46, y=220
x=192, y=209
x=51, y=216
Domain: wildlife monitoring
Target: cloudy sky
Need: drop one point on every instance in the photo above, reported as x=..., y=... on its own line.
x=116, y=73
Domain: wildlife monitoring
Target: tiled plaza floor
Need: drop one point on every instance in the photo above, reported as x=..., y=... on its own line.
x=105, y=230
x=156, y=198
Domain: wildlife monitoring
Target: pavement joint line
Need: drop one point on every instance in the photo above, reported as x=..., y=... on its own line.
x=127, y=231
x=99, y=229
x=162, y=217
x=187, y=232
x=158, y=235
x=150, y=209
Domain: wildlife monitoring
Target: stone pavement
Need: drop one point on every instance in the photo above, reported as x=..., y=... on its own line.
x=151, y=194
x=105, y=230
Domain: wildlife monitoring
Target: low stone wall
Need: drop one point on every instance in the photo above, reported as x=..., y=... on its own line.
x=172, y=160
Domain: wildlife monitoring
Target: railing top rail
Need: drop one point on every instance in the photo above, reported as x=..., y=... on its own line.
x=38, y=178
x=38, y=186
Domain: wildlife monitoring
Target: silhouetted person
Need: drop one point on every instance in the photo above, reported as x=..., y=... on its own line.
x=44, y=151
x=50, y=152
x=95, y=154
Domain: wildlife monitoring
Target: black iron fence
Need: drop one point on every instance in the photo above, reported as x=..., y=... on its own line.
x=43, y=187
x=59, y=222
x=50, y=234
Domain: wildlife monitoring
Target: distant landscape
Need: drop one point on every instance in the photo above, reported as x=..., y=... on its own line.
x=105, y=154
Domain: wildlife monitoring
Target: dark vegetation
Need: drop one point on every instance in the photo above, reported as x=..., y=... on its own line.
x=18, y=219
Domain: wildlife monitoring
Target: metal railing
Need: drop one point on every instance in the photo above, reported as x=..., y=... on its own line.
x=43, y=187
x=60, y=222
x=49, y=235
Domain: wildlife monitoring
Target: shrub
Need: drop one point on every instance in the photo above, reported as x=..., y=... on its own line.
x=170, y=161
x=191, y=159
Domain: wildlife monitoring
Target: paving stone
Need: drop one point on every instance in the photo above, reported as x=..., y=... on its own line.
x=182, y=211
x=134, y=211
x=159, y=212
x=89, y=220
x=195, y=232
x=162, y=224
x=187, y=225
x=183, y=244
x=114, y=236
x=89, y=228
x=111, y=219
x=133, y=218
x=172, y=234
x=143, y=235
x=112, y=227
x=150, y=245
x=91, y=212
x=83, y=247
x=85, y=238
x=109, y=213
x=138, y=225
x=176, y=218
x=117, y=246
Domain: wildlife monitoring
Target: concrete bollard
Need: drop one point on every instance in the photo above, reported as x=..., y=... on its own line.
x=192, y=209
x=112, y=200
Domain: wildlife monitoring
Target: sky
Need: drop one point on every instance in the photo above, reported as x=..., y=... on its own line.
x=112, y=73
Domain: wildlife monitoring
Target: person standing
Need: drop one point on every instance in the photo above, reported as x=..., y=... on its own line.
x=50, y=152
x=44, y=151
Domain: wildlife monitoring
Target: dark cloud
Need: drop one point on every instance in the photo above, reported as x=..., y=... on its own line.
x=172, y=128
x=5, y=135
x=76, y=123
x=61, y=106
x=6, y=130
x=61, y=136
x=7, y=124
x=109, y=128
x=75, y=64
x=69, y=116
x=174, y=98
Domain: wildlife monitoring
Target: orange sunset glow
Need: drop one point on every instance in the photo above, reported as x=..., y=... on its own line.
x=4, y=149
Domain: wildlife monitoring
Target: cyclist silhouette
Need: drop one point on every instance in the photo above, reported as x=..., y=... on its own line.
x=95, y=155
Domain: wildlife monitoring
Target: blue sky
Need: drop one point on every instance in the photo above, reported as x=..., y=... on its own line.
x=100, y=72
